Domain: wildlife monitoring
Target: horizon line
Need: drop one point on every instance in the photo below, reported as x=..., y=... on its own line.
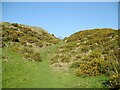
x=62, y=36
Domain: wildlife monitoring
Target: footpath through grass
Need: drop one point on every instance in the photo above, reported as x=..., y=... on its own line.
x=19, y=73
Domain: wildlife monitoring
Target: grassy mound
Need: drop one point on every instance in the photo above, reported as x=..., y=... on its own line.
x=26, y=40
x=90, y=53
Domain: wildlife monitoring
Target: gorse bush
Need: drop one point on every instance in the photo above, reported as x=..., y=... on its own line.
x=15, y=24
x=27, y=50
x=114, y=81
x=36, y=57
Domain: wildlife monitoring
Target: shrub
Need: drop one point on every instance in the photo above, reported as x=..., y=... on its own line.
x=28, y=50
x=114, y=81
x=39, y=43
x=97, y=66
x=52, y=34
x=23, y=42
x=27, y=56
x=54, y=60
x=75, y=65
x=84, y=48
x=15, y=24
x=95, y=54
x=36, y=57
x=19, y=34
x=54, y=41
x=65, y=59
x=15, y=48
x=87, y=69
x=32, y=39
x=4, y=39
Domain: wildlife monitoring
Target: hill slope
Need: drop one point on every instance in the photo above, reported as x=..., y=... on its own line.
x=89, y=53
x=19, y=73
x=26, y=40
x=87, y=58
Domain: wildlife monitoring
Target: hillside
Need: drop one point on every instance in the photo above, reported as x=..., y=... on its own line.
x=20, y=73
x=33, y=58
x=26, y=40
x=90, y=53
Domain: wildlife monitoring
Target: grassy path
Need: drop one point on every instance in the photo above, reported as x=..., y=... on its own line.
x=18, y=73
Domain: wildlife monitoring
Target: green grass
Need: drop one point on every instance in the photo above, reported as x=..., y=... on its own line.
x=19, y=73
x=0, y=68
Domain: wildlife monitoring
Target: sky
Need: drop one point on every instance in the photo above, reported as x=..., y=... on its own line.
x=62, y=18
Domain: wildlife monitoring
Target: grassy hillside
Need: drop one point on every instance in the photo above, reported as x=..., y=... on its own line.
x=20, y=73
x=90, y=53
x=26, y=40
x=33, y=58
